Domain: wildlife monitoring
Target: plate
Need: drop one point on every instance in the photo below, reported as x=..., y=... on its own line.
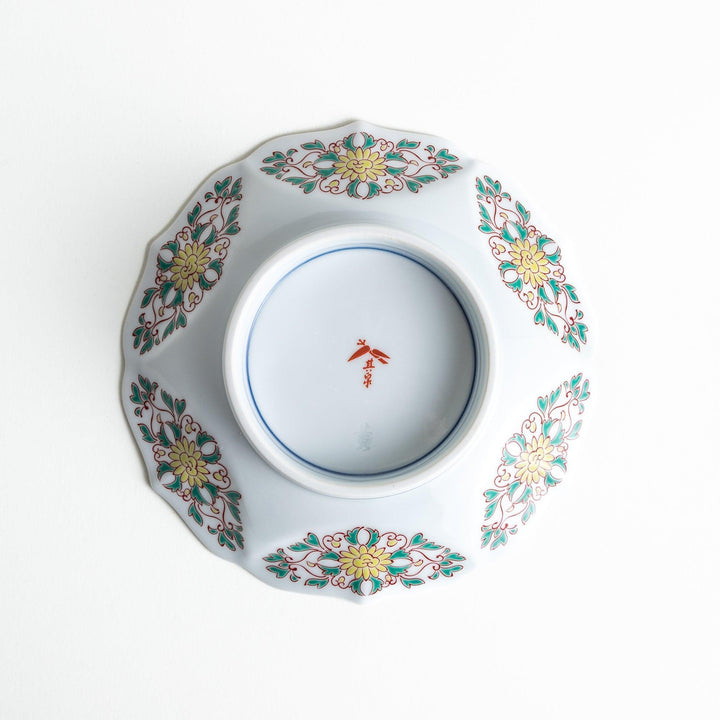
x=355, y=363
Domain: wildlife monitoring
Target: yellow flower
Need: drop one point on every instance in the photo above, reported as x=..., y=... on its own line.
x=187, y=463
x=188, y=265
x=362, y=165
x=530, y=261
x=535, y=461
x=364, y=562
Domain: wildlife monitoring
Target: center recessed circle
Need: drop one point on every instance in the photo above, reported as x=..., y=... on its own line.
x=360, y=361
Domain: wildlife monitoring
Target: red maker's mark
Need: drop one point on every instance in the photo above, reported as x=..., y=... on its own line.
x=369, y=366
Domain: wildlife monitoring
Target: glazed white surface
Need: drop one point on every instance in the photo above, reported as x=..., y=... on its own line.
x=297, y=252
x=442, y=499
x=322, y=407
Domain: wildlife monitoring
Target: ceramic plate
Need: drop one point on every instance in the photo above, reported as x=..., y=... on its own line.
x=356, y=362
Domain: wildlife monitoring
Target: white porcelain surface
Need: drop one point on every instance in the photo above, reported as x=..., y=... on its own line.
x=326, y=447
x=384, y=411
x=334, y=423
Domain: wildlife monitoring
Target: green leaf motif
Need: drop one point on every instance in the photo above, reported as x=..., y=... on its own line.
x=194, y=514
x=317, y=582
x=146, y=434
x=281, y=572
x=361, y=166
x=188, y=265
x=522, y=480
x=364, y=560
x=411, y=582
x=530, y=263
x=299, y=547
x=352, y=536
x=174, y=486
x=317, y=145
x=178, y=442
x=163, y=468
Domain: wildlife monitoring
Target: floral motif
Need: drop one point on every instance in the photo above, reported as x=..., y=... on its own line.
x=188, y=462
x=364, y=561
x=361, y=166
x=530, y=263
x=189, y=265
x=534, y=460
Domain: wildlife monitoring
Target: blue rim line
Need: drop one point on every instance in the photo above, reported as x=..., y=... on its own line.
x=384, y=472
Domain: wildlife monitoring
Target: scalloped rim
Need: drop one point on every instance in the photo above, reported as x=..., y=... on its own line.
x=275, y=511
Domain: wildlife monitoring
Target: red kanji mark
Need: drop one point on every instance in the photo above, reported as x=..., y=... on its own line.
x=369, y=366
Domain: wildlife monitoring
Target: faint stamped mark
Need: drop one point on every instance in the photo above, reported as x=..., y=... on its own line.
x=365, y=438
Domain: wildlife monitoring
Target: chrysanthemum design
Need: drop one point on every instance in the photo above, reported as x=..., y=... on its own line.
x=534, y=460
x=361, y=166
x=189, y=265
x=188, y=462
x=530, y=263
x=364, y=561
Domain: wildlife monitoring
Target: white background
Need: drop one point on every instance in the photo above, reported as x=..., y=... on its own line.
x=606, y=605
